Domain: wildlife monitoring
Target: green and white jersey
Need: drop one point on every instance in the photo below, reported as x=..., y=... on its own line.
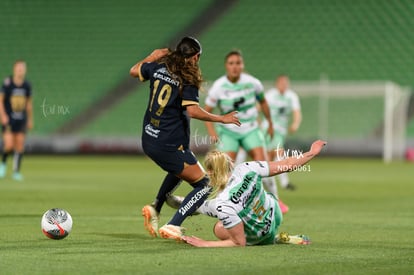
x=281, y=108
x=240, y=96
x=245, y=200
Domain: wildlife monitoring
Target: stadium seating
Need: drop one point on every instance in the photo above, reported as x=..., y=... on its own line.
x=78, y=50
x=346, y=40
x=353, y=40
x=125, y=119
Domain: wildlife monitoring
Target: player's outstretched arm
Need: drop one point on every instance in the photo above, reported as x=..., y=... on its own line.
x=195, y=111
x=210, y=126
x=236, y=238
x=154, y=56
x=292, y=163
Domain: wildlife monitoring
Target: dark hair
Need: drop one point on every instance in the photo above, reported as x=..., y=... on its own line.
x=179, y=65
x=281, y=76
x=18, y=61
x=233, y=52
x=189, y=46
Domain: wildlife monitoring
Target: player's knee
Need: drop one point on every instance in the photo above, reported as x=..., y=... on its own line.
x=258, y=153
x=7, y=148
x=203, y=182
x=19, y=148
x=8, y=145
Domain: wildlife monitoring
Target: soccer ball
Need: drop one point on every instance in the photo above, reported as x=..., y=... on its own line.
x=56, y=223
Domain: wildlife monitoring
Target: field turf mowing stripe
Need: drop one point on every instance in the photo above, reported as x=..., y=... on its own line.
x=358, y=213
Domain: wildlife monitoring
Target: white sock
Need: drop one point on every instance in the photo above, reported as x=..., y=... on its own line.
x=283, y=180
x=270, y=185
x=241, y=157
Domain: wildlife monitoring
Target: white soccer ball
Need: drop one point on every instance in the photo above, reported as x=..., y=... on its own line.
x=56, y=223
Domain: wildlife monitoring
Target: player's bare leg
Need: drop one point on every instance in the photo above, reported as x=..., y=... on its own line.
x=283, y=178
x=18, y=139
x=259, y=154
x=271, y=154
x=232, y=155
x=241, y=156
x=7, y=149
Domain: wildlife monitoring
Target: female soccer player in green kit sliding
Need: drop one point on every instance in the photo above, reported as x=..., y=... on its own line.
x=248, y=215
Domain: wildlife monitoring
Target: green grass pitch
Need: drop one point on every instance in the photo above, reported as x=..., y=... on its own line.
x=359, y=214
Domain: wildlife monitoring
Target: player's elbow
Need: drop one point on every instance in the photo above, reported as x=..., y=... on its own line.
x=192, y=111
x=241, y=243
x=239, y=239
x=132, y=72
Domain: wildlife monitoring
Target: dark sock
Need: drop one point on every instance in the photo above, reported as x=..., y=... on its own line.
x=5, y=155
x=193, y=200
x=170, y=183
x=17, y=161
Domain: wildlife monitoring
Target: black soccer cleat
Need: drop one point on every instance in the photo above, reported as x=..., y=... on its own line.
x=290, y=187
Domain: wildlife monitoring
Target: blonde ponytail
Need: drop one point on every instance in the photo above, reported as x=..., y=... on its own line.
x=219, y=166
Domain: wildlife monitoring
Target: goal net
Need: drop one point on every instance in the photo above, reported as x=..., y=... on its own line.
x=357, y=118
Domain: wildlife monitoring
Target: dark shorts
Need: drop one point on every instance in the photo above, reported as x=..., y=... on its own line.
x=171, y=161
x=15, y=126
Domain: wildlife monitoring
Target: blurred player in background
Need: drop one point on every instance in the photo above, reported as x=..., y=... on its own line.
x=284, y=107
x=238, y=91
x=16, y=112
x=175, y=79
x=247, y=214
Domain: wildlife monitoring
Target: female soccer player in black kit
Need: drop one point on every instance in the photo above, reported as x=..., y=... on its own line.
x=16, y=117
x=175, y=79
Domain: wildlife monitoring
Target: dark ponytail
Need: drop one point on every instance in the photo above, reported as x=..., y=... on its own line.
x=179, y=65
x=189, y=46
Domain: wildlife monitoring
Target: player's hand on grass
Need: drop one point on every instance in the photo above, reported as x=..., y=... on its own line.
x=317, y=146
x=231, y=118
x=194, y=241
